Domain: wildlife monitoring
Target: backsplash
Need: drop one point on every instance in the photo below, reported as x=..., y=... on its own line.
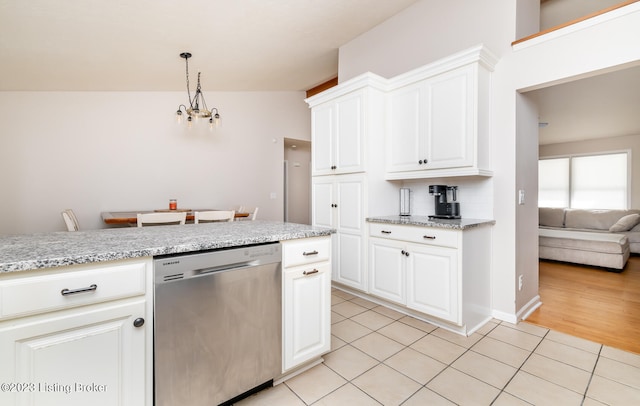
x=475, y=196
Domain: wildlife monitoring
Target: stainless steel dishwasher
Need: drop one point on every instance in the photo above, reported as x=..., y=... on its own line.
x=218, y=324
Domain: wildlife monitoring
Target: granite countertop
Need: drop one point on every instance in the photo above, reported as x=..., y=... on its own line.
x=45, y=250
x=425, y=221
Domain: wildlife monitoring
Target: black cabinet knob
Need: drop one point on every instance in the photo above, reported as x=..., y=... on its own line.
x=420, y=162
x=139, y=322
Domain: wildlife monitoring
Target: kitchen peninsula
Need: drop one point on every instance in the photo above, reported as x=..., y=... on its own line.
x=77, y=308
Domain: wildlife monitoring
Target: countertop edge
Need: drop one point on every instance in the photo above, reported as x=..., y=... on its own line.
x=99, y=255
x=425, y=221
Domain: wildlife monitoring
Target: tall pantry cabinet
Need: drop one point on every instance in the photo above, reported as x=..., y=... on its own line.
x=347, y=143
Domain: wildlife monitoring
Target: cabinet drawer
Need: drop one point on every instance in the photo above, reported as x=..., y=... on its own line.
x=65, y=289
x=421, y=235
x=305, y=251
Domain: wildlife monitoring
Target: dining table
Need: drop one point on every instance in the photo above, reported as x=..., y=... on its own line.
x=131, y=217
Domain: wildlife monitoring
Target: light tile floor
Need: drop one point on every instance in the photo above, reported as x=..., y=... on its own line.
x=379, y=356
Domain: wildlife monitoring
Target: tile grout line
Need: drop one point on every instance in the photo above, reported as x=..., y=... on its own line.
x=595, y=365
x=520, y=369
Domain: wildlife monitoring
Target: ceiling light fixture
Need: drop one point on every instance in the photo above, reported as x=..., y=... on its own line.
x=197, y=106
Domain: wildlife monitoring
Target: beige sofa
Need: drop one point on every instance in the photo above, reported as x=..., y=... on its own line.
x=603, y=238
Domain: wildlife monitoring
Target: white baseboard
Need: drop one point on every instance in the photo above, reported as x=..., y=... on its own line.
x=529, y=308
x=522, y=314
x=503, y=316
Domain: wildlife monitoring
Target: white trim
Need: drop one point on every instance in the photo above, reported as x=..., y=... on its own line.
x=581, y=25
x=503, y=316
x=529, y=308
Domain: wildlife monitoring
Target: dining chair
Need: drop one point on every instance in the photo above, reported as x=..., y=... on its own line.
x=70, y=220
x=253, y=212
x=161, y=218
x=213, y=215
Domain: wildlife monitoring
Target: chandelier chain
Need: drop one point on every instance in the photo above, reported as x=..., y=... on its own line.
x=188, y=91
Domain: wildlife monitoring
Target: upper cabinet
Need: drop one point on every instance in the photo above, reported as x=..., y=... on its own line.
x=343, y=120
x=438, y=118
x=337, y=135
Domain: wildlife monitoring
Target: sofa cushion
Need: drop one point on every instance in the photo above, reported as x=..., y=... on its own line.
x=551, y=216
x=592, y=218
x=584, y=241
x=625, y=223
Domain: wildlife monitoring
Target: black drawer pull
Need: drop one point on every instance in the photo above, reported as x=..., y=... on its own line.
x=67, y=292
x=310, y=272
x=385, y=232
x=429, y=237
x=306, y=254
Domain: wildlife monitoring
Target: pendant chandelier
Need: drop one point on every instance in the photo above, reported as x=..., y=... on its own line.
x=197, y=107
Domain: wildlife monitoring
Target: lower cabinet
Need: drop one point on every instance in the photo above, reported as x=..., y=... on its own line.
x=432, y=281
x=92, y=352
x=306, y=300
x=440, y=273
x=387, y=265
x=421, y=277
x=338, y=203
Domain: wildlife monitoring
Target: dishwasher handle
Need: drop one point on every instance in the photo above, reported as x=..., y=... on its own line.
x=225, y=267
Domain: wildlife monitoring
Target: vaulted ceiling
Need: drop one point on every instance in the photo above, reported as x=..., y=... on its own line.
x=135, y=44
x=253, y=45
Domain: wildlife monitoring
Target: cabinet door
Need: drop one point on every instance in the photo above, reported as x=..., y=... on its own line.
x=323, y=202
x=322, y=134
x=306, y=313
x=76, y=357
x=349, y=135
x=386, y=264
x=432, y=281
x=406, y=129
x=350, y=237
x=450, y=118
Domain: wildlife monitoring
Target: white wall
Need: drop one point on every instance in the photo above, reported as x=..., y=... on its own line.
x=558, y=12
x=428, y=31
x=109, y=151
x=624, y=143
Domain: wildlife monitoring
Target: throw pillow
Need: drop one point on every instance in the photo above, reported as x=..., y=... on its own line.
x=626, y=223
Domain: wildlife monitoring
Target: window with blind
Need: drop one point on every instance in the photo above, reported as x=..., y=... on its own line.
x=584, y=181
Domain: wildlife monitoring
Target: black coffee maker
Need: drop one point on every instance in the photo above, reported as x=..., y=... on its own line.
x=444, y=208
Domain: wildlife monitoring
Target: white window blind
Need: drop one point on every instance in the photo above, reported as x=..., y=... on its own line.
x=553, y=182
x=586, y=182
x=599, y=181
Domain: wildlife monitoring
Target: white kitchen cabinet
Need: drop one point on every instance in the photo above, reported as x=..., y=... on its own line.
x=419, y=276
x=91, y=347
x=338, y=202
x=438, y=119
x=441, y=273
x=337, y=135
x=387, y=269
x=306, y=300
x=432, y=281
x=348, y=133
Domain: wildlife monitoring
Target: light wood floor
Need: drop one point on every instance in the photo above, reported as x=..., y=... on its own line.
x=591, y=303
